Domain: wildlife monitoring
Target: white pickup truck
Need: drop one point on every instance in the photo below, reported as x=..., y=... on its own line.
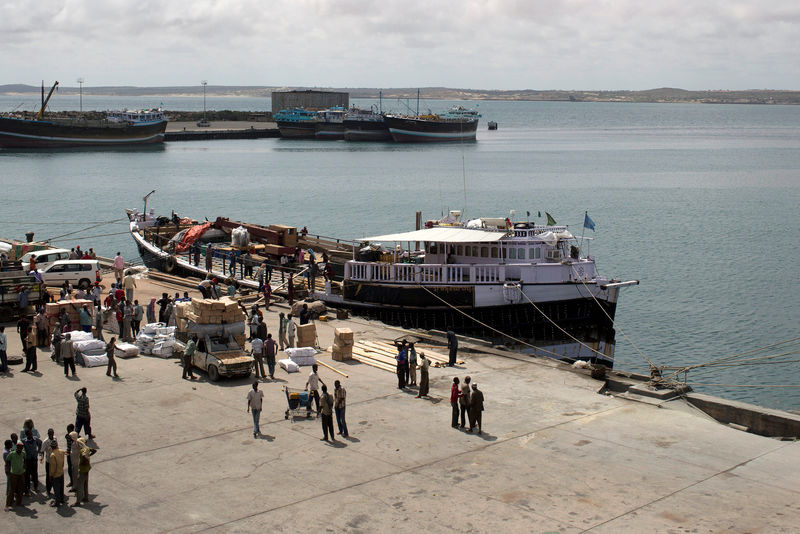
x=218, y=354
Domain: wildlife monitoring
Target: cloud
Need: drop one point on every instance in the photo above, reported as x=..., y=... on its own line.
x=587, y=44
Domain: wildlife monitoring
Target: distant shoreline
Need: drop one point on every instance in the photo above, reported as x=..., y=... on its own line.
x=662, y=95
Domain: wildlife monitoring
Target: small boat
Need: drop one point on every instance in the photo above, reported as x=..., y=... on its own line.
x=297, y=123
x=492, y=125
x=118, y=128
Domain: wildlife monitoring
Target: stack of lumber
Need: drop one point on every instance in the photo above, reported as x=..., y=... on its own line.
x=210, y=311
x=53, y=309
x=307, y=335
x=342, y=344
x=382, y=354
x=375, y=354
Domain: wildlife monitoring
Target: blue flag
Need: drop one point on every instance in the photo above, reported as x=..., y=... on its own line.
x=588, y=222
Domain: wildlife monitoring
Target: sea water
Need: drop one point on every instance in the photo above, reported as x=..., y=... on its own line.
x=697, y=202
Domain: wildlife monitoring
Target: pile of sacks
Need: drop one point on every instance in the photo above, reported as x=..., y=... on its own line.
x=89, y=352
x=302, y=355
x=316, y=309
x=156, y=339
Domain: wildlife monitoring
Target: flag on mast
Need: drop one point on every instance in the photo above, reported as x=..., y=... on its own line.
x=550, y=220
x=588, y=222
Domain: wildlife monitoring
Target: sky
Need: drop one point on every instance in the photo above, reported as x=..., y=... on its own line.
x=471, y=44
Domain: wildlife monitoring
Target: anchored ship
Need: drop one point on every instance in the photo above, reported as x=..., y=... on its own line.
x=297, y=123
x=365, y=125
x=457, y=124
x=119, y=128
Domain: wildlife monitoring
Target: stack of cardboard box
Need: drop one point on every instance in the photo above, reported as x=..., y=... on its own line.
x=307, y=335
x=53, y=309
x=342, y=344
x=210, y=311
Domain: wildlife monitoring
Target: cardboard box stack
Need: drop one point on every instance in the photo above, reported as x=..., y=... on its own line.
x=53, y=309
x=342, y=344
x=307, y=335
x=209, y=311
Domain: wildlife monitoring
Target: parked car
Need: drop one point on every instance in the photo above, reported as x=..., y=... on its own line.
x=44, y=258
x=81, y=273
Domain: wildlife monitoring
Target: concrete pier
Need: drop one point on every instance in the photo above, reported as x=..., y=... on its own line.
x=189, y=131
x=555, y=456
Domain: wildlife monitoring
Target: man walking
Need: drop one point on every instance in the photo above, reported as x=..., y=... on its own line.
x=291, y=329
x=254, y=402
x=257, y=350
x=83, y=418
x=112, y=360
x=68, y=354
x=31, y=361
x=339, y=404
x=188, y=355
x=282, y=324
x=269, y=352
x=15, y=460
x=326, y=410
x=119, y=265
x=475, y=408
x=452, y=344
x=312, y=386
x=463, y=401
x=455, y=393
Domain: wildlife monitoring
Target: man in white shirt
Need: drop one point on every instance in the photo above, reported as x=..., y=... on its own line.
x=257, y=346
x=312, y=385
x=254, y=401
x=119, y=265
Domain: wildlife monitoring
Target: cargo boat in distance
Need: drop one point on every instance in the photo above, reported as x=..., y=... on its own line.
x=365, y=125
x=457, y=124
x=330, y=124
x=487, y=278
x=297, y=123
x=119, y=128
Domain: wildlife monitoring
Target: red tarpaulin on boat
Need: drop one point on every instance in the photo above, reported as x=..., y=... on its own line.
x=192, y=235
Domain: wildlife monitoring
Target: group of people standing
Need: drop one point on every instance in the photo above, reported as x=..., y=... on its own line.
x=407, y=366
x=468, y=402
x=23, y=453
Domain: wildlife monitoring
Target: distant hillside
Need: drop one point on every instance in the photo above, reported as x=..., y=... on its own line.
x=664, y=94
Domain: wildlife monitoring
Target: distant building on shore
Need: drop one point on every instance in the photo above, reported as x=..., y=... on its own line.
x=309, y=99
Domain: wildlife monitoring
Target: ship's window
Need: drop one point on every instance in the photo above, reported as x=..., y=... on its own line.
x=475, y=251
x=433, y=248
x=484, y=252
x=521, y=253
x=512, y=254
x=494, y=252
x=441, y=248
x=460, y=250
x=535, y=253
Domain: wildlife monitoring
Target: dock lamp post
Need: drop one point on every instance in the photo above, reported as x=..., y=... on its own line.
x=80, y=82
x=204, y=82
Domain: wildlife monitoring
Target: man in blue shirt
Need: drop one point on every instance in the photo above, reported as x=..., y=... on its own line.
x=32, y=446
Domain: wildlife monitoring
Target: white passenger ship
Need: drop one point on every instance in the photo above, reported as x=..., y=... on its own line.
x=487, y=277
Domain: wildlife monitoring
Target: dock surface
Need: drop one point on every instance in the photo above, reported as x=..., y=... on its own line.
x=556, y=456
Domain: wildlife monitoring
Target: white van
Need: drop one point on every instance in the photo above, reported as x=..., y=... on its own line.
x=80, y=273
x=44, y=258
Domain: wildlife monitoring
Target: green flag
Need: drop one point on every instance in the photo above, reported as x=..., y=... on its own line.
x=550, y=220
